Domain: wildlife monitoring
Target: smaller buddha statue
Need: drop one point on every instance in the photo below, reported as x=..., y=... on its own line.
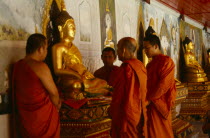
x=74, y=78
x=108, y=41
x=193, y=72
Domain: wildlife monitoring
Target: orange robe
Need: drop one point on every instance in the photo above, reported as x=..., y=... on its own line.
x=128, y=106
x=36, y=114
x=106, y=74
x=162, y=93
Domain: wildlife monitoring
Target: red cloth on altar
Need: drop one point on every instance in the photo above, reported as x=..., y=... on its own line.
x=128, y=104
x=36, y=113
x=106, y=74
x=162, y=93
x=76, y=104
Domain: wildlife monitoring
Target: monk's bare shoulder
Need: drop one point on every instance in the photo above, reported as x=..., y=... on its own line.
x=40, y=68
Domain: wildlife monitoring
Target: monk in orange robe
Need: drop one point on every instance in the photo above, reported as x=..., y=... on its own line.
x=35, y=97
x=128, y=106
x=108, y=57
x=161, y=89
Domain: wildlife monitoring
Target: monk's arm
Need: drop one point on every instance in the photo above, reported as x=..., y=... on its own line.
x=166, y=80
x=47, y=80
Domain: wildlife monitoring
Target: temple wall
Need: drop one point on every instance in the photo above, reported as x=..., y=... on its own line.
x=5, y=126
x=124, y=23
x=20, y=19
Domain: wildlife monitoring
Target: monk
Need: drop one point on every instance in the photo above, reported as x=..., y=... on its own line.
x=109, y=69
x=128, y=106
x=161, y=89
x=35, y=96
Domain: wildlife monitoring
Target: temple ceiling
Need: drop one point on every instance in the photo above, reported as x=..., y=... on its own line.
x=198, y=10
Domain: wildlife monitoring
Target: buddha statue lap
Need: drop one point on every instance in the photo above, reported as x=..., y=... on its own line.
x=193, y=72
x=74, y=79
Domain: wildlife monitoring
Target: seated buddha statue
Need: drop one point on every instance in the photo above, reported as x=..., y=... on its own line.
x=193, y=72
x=73, y=77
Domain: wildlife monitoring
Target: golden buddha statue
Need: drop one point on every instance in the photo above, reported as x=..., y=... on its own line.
x=74, y=78
x=108, y=40
x=193, y=72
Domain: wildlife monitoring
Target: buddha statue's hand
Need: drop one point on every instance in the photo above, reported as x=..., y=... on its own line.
x=199, y=68
x=87, y=75
x=78, y=68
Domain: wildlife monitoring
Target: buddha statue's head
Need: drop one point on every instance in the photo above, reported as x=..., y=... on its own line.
x=188, y=43
x=65, y=24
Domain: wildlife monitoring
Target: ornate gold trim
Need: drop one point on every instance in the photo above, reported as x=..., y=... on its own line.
x=98, y=132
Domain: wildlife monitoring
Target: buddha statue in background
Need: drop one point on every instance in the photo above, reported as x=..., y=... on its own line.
x=193, y=72
x=108, y=40
x=74, y=78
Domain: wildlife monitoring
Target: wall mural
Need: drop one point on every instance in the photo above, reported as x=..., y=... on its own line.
x=17, y=21
x=165, y=39
x=108, y=23
x=9, y=33
x=126, y=25
x=206, y=41
x=85, y=22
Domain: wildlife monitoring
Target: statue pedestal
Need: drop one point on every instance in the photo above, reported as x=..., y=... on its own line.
x=89, y=121
x=180, y=127
x=194, y=107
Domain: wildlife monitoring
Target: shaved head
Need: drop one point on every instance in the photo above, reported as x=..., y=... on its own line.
x=126, y=48
x=129, y=43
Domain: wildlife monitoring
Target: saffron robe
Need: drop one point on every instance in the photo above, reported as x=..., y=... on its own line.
x=36, y=114
x=162, y=93
x=106, y=74
x=128, y=104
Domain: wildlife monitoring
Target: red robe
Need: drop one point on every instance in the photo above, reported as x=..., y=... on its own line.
x=128, y=106
x=106, y=74
x=36, y=114
x=162, y=93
